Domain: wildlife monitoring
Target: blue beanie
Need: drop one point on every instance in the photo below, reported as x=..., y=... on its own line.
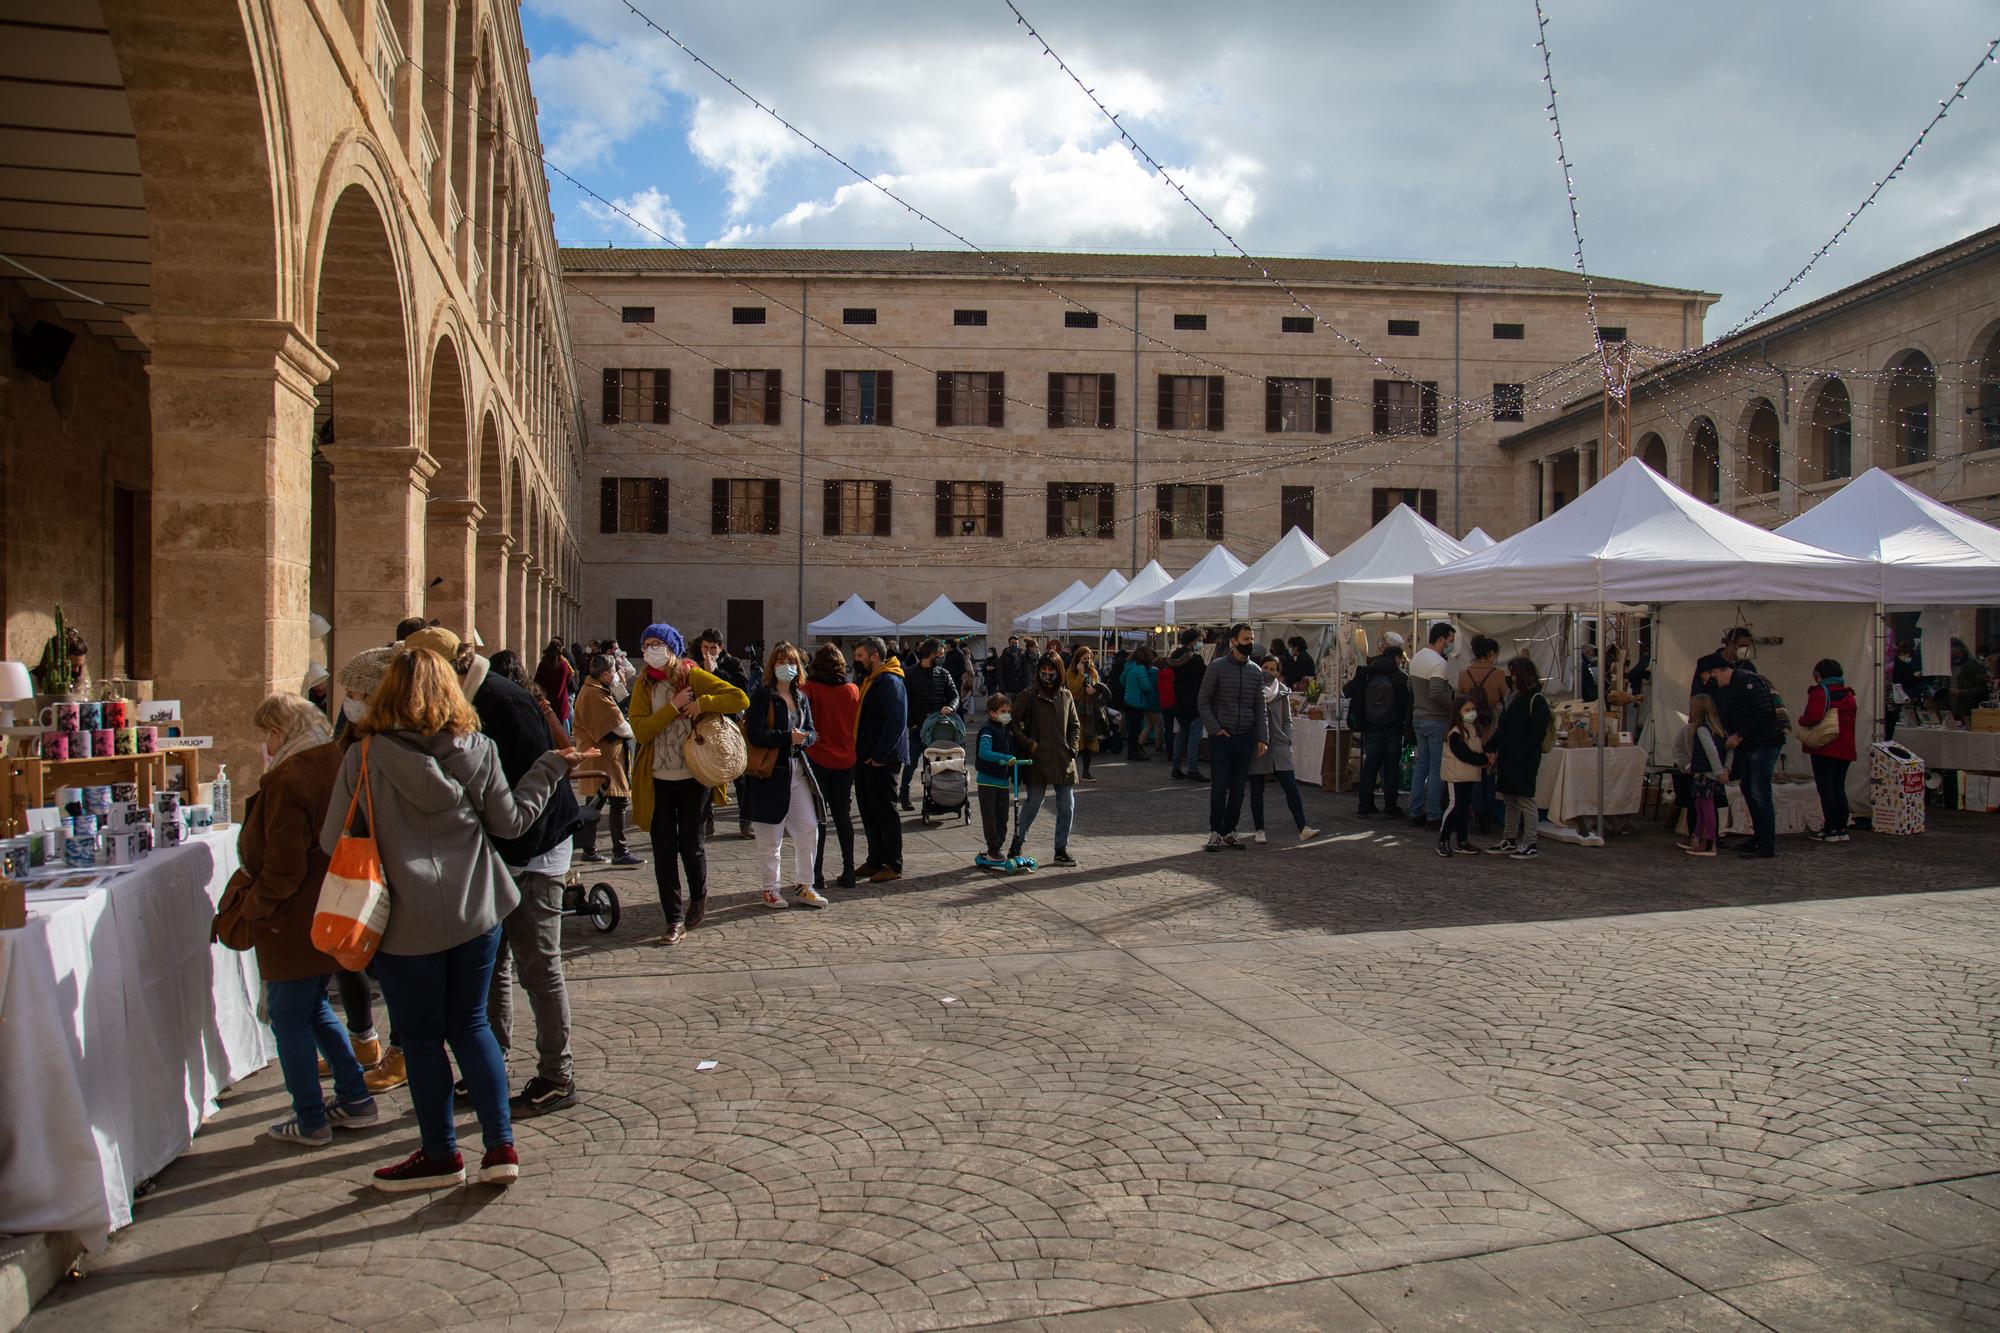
x=666, y=634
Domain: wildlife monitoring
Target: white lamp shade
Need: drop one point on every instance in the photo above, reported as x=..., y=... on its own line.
x=314, y=675
x=15, y=683
x=317, y=627
x=477, y=642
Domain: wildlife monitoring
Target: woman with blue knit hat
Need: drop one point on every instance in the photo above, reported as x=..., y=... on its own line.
x=670, y=695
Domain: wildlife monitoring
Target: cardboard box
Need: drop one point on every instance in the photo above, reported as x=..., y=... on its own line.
x=1896, y=789
x=13, y=904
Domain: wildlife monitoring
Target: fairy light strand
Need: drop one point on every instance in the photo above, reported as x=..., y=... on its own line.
x=1569, y=190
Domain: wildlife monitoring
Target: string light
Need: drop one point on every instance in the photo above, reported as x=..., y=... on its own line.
x=1569, y=189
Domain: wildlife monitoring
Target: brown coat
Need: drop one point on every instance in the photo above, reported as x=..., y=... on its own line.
x=597, y=716
x=1046, y=729
x=282, y=863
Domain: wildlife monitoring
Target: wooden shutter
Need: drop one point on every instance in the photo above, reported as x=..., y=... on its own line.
x=1164, y=508
x=944, y=386
x=718, y=502
x=996, y=509
x=607, y=504
x=1055, y=401
x=1107, y=401
x=663, y=404
x=1166, y=402
x=1274, y=412
x=1055, y=510
x=771, y=489
x=612, y=383
x=944, y=509
x=1427, y=505
x=1381, y=426
x=832, y=397
x=722, y=398
x=885, y=397
x=1323, y=406
x=1107, y=512
x=773, y=386
x=1215, y=402
x=830, y=509
x=1215, y=513
x=883, y=496
x=1381, y=506
x=1427, y=408
x=996, y=398
x=657, y=504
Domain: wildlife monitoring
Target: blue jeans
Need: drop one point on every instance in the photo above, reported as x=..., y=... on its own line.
x=1065, y=814
x=302, y=1021
x=1228, y=774
x=1754, y=770
x=1287, y=782
x=1187, y=745
x=435, y=998
x=1427, y=794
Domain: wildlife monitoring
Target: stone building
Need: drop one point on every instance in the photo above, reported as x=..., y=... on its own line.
x=285, y=338
x=771, y=430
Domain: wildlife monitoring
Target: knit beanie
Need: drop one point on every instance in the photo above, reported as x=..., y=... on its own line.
x=666, y=634
x=364, y=670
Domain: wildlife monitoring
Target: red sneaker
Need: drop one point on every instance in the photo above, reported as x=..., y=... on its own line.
x=500, y=1167
x=421, y=1172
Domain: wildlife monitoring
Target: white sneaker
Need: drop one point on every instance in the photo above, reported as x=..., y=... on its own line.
x=1308, y=833
x=1258, y=837
x=1214, y=843
x=808, y=896
x=773, y=898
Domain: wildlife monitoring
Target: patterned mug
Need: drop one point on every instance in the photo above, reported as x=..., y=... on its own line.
x=103, y=742
x=55, y=744
x=89, y=716
x=147, y=740
x=61, y=717
x=80, y=853
x=126, y=740
x=117, y=713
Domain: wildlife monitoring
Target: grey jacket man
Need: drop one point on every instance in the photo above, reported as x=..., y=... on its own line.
x=436, y=799
x=1232, y=697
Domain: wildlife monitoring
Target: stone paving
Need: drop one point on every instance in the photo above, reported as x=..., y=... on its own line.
x=1340, y=1085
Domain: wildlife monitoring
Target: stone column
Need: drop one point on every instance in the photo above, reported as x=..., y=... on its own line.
x=378, y=501
x=490, y=618
x=451, y=531
x=1953, y=432
x=232, y=404
x=517, y=605
x=1793, y=436
x=1548, y=479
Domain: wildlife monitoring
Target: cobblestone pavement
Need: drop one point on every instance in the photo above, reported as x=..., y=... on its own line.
x=1340, y=1085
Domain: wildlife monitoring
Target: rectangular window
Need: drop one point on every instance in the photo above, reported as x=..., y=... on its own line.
x=1510, y=332
x=636, y=314
x=1295, y=509
x=1083, y=400
x=1405, y=408
x=1079, y=319
x=1189, y=512
x=1612, y=333
x=743, y=506
x=1913, y=431
x=974, y=610
x=855, y=314
x=1296, y=405
x=1510, y=402
x=1403, y=328
x=969, y=319
x=637, y=395
x=1295, y=324
x=857, y=508
x=1082, y=509
x=860, y=398
x=748, y=397
x=971, y=509
x=971, y=398
x=1190, y=402
x=1192, y=323
x=632, y=504
x=746, y=314
x=1424, y=500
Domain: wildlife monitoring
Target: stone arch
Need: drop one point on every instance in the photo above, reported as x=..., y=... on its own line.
x=1704, y=460
x=491, y=475
x=447, y=423
x=1907, y=398
x=451, y=515
x=1652, y=452
x=1984, y=361
x=1829, y=446
x=1759, y=436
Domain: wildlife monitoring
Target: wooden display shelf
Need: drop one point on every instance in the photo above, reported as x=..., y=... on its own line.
x=28, y=783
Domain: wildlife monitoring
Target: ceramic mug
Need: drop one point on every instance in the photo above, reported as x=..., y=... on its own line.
x=145, y=832
x=80, y=853
x=103, y=742
x=79, y=745
x=147, y=740
x=117, y=713
x=97, y=800
x=89, y=716
x=83, y=826
x=123, y=848
x=166, y=802
x=49, y=852
x=16, y=857
x=55, y=745
x=127, y=740
x=127, y=792
x=60, y=717
x=170, y=832
x=69, y=800
x=200, y=817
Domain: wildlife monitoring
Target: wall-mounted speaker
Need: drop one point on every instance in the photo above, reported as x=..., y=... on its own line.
x=41, y=349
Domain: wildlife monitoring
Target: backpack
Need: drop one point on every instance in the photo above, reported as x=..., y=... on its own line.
x=1167, y=675
x=1379, y=702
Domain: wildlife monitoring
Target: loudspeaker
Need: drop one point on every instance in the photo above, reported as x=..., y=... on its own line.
x=40, y=351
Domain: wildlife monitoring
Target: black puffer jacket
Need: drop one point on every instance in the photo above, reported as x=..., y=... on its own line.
x=930, y=688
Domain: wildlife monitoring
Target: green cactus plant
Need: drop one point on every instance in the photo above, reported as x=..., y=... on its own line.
x=53, y=674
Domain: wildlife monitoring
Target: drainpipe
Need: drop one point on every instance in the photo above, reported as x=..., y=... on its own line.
x=802, y=463
x=1135, y=430
x=1457, y=418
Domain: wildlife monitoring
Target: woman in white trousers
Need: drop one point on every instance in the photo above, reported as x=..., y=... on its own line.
x=787, y=801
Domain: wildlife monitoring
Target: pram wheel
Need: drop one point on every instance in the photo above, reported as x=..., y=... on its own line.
x=602, y=903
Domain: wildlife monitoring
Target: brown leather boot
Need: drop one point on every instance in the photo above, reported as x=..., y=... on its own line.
x=387, y=1076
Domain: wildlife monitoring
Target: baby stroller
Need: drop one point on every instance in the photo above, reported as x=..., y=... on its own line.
x=947, y=784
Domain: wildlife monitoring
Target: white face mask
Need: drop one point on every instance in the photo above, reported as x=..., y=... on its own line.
x=656, y=657
x=1003, y=718
x=1469, y=715
x=352, y=709
x=788, y=672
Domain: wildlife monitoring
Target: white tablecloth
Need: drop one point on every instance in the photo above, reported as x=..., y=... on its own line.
x=1309, y=737
x=1566, y=783
x=1795, y=805
x=119, y=1023
x=1940, y=747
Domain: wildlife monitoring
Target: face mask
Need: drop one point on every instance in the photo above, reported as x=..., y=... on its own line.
x=1003, y=718
x=1048, y=679
x=656, y=658
x=352, y=709
x=1469, y=715
x=788, y=672
x=1245, y=648
x=1271, y=688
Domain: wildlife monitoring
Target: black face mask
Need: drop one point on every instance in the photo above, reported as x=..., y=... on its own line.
x=1244, y=648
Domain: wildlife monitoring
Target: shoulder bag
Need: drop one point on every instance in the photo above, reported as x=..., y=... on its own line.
x=1826, y=730
x=761, y=761
x=353, y=907
x=715, y=751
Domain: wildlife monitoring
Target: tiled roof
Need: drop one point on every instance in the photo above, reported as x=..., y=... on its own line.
x=1082, y=265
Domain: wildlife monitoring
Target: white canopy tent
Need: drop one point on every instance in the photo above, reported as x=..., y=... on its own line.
x=1927, y=553
x=1293, y=557
x=852, y=619
x=1142, y=587
x=1476, y=540
x=1372, y=573
x=1209, y=573
x=942, y=617
x=1031, y=621
x=1084, y=613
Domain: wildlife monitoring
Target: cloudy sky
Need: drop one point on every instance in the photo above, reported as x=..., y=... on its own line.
x=1716, y=143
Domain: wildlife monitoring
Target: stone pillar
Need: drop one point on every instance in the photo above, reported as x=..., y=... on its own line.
x=232, y=404
x=490, y=617
x=1793, y=436
x=517, y=604
x=451, y=531
x=1548, y=480
x=378, y=500
x=1953, y=431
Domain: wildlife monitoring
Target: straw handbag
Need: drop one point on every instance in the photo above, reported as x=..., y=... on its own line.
x=354, y=898
x=715, y=751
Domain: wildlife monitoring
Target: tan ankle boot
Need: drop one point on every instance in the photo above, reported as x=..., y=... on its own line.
x=368, y=1051
x=389, y=1075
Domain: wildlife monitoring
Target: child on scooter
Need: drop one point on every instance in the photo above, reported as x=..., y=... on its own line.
x=994, y=763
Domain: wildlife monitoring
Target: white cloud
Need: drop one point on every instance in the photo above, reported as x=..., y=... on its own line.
x=647, y=217
x=595, y=98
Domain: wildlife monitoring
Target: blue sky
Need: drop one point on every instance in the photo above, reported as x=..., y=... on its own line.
x=1715, y=144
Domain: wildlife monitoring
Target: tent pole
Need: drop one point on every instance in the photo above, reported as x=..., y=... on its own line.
x=1603, y=714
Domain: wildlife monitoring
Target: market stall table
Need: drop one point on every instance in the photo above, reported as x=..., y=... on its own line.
x=119, y=1023
x=1794, y=805
x=1566, y=783
x=1945, y=748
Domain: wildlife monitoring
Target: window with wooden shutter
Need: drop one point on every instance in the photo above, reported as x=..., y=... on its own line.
x=830, y=508
x=1213, y=517
x=1288, y=405
x=770, y=514
x=1427, y=408
x=1188, y=402
x=857, y=508
x=633, y=505
x=996, y=398
x=773, y=382
x=996, y=509
x=1057, y=417
x=883, y=499
x=1405, y=408
x=969, y=509
x=718, y=506
x=1510, y=402
x=663, y=401
x=946, y=385
x=1423, y=500
x=1107, y=401
x=607, y=505
x=1323, y=406
x=885, y=397
x=613, y=384
x=1295, y=509
x=723, y=397
x=744, y=506
x=945, y=527
x=1215, y=402
x=859, y=398
x=835, y=380
x=753, y=397
x=637, y=395
x=1184, y=511
x=1081, y=509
